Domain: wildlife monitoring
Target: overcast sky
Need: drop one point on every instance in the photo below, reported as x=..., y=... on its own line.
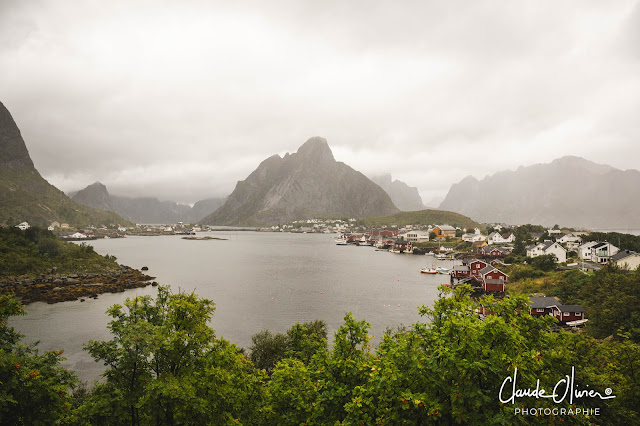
x=181, y=99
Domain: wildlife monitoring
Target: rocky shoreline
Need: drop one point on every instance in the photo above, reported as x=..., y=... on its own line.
x=54, y=288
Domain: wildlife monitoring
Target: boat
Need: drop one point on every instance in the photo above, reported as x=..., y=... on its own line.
x=341, y=241
x=363, y=242
x=431, y=271
x=442, y=270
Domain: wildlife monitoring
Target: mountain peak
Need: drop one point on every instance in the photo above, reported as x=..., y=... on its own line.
x=317, y=148
x=13, y=151
x=304, y=185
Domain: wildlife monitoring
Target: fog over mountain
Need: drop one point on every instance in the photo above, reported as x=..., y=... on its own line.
x=405, y=197
x=569, y=191
x=145, y=209
x=307, y=184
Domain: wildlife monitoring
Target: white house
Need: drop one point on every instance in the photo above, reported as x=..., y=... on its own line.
x=597, y=251
x=78, y=235
x=554, y=232
x=548, y=247
x=626, y=259
x=497, y=238
x=23, y=226
x=471, y=238
x=570, y=241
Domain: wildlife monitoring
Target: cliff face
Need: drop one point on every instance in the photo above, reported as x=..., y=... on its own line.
x=145, y=209
x=405, y=197
x=569, y=191
x=303, y=185
x=27, y=196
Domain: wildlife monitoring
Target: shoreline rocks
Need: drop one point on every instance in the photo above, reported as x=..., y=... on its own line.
x=57, y=288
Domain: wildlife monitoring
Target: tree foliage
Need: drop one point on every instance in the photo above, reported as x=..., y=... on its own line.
x=33, y=386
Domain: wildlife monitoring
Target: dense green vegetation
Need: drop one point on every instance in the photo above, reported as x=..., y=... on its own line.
x=611, y=296
x=36, y=251
x=166, y=366
x=422, y=217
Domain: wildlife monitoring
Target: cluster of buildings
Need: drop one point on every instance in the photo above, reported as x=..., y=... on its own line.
x=481, y=272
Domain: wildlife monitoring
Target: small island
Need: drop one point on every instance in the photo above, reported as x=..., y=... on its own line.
x=204, y=238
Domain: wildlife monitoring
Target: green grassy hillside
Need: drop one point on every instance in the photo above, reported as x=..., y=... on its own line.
x=423, y=217
x=26, y=196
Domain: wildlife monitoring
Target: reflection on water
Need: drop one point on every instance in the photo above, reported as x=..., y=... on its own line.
x=257, y=280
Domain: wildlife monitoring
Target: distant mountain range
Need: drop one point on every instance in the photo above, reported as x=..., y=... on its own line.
x=405, y=197
x=145, y=209
x=309, y=183
x=27, y=196
x=569, y=191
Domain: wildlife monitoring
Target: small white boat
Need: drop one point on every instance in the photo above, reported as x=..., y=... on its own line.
x=431, y=271
x=442, y=270
x=363, y=242
x=341, y=241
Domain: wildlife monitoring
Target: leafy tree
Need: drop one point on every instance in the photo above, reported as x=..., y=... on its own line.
x=459, y=233
x=34, y=387
x=432, y=235
x=267, y=349
x=165, y=366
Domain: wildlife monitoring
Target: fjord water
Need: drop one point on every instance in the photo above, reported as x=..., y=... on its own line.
x=257, y=280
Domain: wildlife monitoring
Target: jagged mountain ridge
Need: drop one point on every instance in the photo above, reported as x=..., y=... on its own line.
x=405, y=197
x=309, y=183
x=26, y=196
x=569, y=191
x=145, y=209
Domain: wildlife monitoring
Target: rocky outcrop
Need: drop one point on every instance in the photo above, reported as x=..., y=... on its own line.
x=27, y=196
x=309, y=183
x=55, y=288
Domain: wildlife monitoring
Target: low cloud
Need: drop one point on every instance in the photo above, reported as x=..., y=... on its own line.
x=181, y=100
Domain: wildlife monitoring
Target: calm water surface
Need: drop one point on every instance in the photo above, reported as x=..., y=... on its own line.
x=257, y=280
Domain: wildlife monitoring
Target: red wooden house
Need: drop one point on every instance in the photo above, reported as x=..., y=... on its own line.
x=475, y=266
x=551, y=306
x=494, y=252
x=492, y=279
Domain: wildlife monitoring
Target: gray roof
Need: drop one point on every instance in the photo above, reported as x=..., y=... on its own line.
x=622, y=254
x=571, y=308
x=598, y=245
x=461, y=268
x=486, y=269
x=446, y=228
x=543, y=302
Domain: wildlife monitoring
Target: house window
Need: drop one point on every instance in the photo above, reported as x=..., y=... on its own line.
x=578, y=314
x=540, y=310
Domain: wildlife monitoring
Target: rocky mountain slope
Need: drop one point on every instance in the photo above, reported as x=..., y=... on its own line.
x=309, y=183
x=405, y=197
x=569, y=191
x=145, y=209
x=26, y=196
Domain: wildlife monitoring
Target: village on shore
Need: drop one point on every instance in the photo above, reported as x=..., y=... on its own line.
x=477, y=256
